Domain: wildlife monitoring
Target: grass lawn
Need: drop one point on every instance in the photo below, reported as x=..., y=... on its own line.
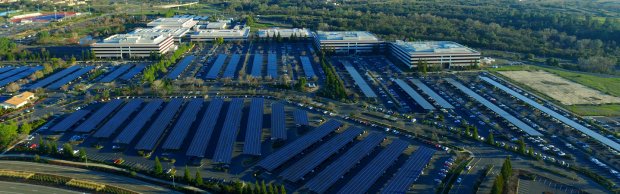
x=608, y=85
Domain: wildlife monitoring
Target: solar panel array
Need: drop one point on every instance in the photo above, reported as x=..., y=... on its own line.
x=152, y=135
x=410, y=171
x=223, y=151
x=20, y=75
x=272, y=65
x=98, y=116
x=48, y=80
x=257, y=65
x=117, y=72
x=428, y=91
x=276, y=159
x=232, y=66
x=13, y=72
x=216, y=67
x=556, y=115
x=278, y=129
x=254, y=129
x=65, y=80
x=366, y=177
x=520, y=124
x=5, y=69
x=330, y=175
x=413, y=94
x=133, y=72
x=300, y=117
x=360, y=81
x=307, y=66
x=69, y=121
x=138, y=122
x=180, y=130
x=180, y=67
x=316, y=157
x=199, y=144
x=118, y=119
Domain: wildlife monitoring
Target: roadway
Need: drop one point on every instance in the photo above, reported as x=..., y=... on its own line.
x=83, y=174
x=22, y=188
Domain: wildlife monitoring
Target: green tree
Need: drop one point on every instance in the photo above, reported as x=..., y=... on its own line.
x=498, y=185
x=263, y=187
x=271, y=189
x=186, y=175
x=82, y=155
x=198, y=178
x=521, y=148
x=158, y=169
x=282, y=189
x=490, y=139
x=25, y=128
x=67, y=150
x=476, y=133
x=249, y=20
x=8, y=132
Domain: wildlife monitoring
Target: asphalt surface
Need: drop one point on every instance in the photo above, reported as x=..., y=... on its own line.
x=13, y=188
x=83, y=174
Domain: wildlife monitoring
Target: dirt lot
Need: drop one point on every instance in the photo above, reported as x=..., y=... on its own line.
x=560, y=89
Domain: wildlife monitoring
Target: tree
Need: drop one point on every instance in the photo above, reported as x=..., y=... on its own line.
x=498, y=185
x=263, y=187
x=249, y=20
x=67, y=150
x=25, y=128
x=521, y=148
x=198, y=178
x=476, y=136
x=186, y=175
x=8, y=132
x=490, y=139
x=422, y=67
x=158, y=169
x=282, y=189
x=82, y=154
x=506, y=170
x=12, y=87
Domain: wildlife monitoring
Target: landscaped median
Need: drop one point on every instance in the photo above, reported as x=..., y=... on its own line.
x=59, y=181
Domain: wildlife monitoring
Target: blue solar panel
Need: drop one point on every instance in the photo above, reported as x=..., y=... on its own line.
x=180, y=130
x=410, y=171
x=96, y=118
x=216, y=67
x=414, y=95
x=289, y=151
x=257, y=65
x=138, y=122
x=442, y=102
x=180, y=67
x=302, y=167
x=359, y=81
x=300, y=117
x=5, y=69
x=231, y=68
x=117, y=120
x=307, y=66
x=117, y=72
x=272, y=65
x=19, y=76
x=223, y=151
x=328, y=176
x=253, y=132
x=54, y=77
x=65, y=80
x=13, y=72
x=501, y=112
x=203, y=134
x=364, y=179
x=278, y=130
x=152, y=135
x=69, y=121
x=133, y=72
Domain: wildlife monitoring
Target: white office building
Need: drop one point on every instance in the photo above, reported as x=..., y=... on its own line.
x=207, y=35
x=284, y=32
x=444, y=54
x=217, y=25
x=133, y=45
x=176, y=33
x=173, y=23
x=347, y=41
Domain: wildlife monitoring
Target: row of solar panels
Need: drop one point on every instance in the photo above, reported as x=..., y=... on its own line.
x=10, y=74
x=255, y=71
x=61, y=78
x=152, y=135
x=180, y=67
x=329, y=175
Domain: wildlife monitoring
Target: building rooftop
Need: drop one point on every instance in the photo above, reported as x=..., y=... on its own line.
x=134, y=39
x=176, y=32
x=275, y=31
x=346, y=35
x=428, y=47
x=222, y=33
x=216, y=25
x=19, y=99
x=173, y=22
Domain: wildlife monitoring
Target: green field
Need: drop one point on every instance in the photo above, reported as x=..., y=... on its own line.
x=604, y=83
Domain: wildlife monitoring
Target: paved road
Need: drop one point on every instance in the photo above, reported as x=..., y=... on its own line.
x=106, y=178
x=11, y=188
